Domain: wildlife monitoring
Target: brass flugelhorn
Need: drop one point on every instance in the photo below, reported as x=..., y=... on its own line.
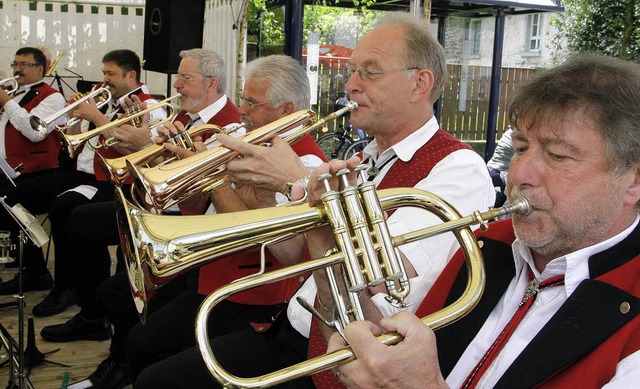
x=160, y=187
x=116, y=168
x=11, y=84
x=389, y=198
x=101, y=96
x=53, y=65
x=74, y=142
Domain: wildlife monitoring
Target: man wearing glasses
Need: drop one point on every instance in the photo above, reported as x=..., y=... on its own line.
x=21, y=145
x=31, y=152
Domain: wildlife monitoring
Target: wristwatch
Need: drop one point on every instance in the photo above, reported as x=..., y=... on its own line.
x=303, y=182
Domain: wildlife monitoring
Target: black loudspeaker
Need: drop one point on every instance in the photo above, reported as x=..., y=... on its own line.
x=169, y=27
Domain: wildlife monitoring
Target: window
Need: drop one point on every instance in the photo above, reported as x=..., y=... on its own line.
x=534, y=33
x=472, y=35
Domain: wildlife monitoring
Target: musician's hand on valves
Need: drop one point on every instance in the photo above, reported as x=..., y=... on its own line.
x=87, y=111
x=133, y=135
x=263, y=167
x=169, y=131
x=412, y=363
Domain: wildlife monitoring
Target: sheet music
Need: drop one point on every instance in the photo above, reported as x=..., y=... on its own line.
x=27, y=222
x=8, y=171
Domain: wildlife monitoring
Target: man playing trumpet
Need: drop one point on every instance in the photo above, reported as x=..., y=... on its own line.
x=34, y=153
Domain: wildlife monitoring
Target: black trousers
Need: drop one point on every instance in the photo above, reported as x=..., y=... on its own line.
x=37, y=192
x=116, y=302
x=171, y=329
x=67, y=273
x=243, y=353
x=93, y=228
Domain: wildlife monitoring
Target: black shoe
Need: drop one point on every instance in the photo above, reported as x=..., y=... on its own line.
x=56, y=301
x=78, y=328
x=110, y=374
x=29, y=283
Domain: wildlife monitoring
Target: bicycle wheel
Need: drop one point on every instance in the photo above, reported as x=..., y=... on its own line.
x=333, y=145
x=355, y=148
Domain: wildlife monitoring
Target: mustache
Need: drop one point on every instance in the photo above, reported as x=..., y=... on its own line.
x=246, y=121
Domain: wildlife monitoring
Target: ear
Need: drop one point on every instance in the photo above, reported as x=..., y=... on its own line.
x=287, y=108
x=424, y=83
x=213, y=83
x=131, y=76
x=632, y=195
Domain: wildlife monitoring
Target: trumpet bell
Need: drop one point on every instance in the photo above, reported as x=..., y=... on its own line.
x=158, y=248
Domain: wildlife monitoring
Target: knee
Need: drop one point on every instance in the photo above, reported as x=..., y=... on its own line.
x=153, y=378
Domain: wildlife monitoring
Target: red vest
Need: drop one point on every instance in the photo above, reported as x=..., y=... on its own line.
x=110, y=152
x=584, y=340
x=222, y=272
x=34, y=156
x=401, y=174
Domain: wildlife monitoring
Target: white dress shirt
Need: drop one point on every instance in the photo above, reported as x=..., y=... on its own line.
x=19, y=116
x=575, y=268
x=461, y=178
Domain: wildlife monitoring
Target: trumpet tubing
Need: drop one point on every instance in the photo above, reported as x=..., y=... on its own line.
x=11, y=84
x=74, y=142
x=160, y=187
x=116, y=168
x=460, y=226
x=100, y=95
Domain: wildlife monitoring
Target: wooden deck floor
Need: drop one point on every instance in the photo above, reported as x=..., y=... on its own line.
x=81, y=356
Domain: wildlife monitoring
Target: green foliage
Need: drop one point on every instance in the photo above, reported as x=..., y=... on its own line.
x=272, y=24
x=611, y=27
x=316, y=18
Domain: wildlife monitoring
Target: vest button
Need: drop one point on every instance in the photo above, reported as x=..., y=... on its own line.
x=625, y=307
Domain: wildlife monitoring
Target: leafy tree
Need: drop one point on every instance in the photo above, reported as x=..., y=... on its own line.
x=611, y=27
x=316, y=18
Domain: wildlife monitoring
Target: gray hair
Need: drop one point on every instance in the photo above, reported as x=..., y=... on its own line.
x=210, y=64
x=604, y=88
x=288, y=78
x=421, y=49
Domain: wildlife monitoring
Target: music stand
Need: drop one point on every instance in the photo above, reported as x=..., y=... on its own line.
x=59, y=80
x=29, y=227
x=8, y=171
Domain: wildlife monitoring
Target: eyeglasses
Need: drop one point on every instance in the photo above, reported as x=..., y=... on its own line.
x=185, y=78
x=371, y=75
x=22, y=64
x=250, y=103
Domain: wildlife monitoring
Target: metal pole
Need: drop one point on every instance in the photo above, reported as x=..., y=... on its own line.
x=496, y=74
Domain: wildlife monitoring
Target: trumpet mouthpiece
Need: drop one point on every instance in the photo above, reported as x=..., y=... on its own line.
x=521, y=206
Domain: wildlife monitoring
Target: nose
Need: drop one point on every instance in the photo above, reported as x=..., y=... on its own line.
x=354, y=84
x=242, y=108
x=525, y=169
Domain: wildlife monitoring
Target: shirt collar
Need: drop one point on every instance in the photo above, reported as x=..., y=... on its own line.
x=211, y=110
x=27, y=88
x=574, y=266
x=406, y=148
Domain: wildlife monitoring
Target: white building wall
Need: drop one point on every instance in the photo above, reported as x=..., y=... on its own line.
x=514, y=54
x=85, y=31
